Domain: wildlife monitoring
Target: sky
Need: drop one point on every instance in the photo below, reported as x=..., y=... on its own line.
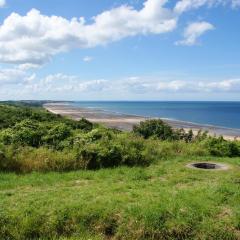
x=120, y=50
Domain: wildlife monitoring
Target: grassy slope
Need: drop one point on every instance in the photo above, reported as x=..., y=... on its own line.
x=164, y=201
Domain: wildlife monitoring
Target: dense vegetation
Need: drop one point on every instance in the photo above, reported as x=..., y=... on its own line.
x=147, y=193
x=32, y=139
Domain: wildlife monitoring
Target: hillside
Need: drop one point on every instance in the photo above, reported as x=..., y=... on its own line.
x=65, y=179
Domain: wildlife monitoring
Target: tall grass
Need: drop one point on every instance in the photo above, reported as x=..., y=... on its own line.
x=130, y=152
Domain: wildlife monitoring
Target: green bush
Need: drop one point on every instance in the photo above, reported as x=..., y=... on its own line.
x=12, y=114
x=100, y=134
x=121, y=150
x=157, y=129
x=56, y=134
x=222, y=148
x=95, y=156
x=84, y=124
x=3, y=161
x=154, y=128
x=27, y=132
x=7, y=158
x=134, y=150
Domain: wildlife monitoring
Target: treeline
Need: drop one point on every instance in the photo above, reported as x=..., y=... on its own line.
x=32, y=139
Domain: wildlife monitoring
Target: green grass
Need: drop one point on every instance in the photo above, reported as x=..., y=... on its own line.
x=162, y=200
x=166, y=200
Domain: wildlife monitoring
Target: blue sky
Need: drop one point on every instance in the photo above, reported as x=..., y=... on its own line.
x=121, y=50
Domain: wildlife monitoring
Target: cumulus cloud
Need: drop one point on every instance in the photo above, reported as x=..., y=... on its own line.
x=2, y=3
x=193, y=31
x=14, y=76
x=61, y=83
x=87, y=59
x=137, y=85
x=94, y=85
x=142, y=86
x=28, y=66
x=35, y=38
x=230, y=85
x=187, y=5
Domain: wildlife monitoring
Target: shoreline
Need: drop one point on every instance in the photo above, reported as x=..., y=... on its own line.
x=125, y=122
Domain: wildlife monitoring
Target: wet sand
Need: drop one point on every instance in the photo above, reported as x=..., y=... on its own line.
x=126, y=122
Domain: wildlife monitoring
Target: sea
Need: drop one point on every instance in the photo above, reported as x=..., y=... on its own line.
x=222, y=114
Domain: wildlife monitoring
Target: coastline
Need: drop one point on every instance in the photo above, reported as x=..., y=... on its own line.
x=125, y=122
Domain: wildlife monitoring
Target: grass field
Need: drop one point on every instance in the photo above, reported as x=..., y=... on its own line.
x=166, y=200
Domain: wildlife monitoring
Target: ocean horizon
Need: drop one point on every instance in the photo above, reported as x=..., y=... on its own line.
x=215, y=113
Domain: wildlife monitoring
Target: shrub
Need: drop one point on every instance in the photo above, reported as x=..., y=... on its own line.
x=154, y=128
x=201, y=136
x=222, y=148
x=118, y=151
x=56, y=134
x=134, y=150
x=27, y=132
x=100, y=134
x=7, y=160
x=181, y=134
x=157, y=129
x=6, y=136
x=84, y=124
x=12, y=114
x=3, y=161
x=96, y=156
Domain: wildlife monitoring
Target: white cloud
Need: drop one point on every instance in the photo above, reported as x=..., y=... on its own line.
x=235, y=3
x=66, y=83
x=35, y=38
x=94, y=85
x=2, y=3
x=142, y=86
x=18, y=83
x=172, y=86
x=13, y=76
x=31, y=78
x=138, y=85
x=229, y=85
x=87, y=59
x=193, y=31
x=28, y=66
x=187, y=5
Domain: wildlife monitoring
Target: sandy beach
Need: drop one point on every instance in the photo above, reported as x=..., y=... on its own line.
x=126, y=122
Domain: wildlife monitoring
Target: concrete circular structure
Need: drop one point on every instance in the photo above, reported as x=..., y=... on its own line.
x=208, y=166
